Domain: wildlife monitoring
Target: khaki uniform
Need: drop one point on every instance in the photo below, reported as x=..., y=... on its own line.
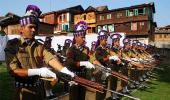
x=100, y=54
x=20, y=54
x=75, y=55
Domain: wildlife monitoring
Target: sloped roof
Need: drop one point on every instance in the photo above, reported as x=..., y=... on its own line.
x=133, y=7
x=74, y=9
x=102, y=8
x=90, y=8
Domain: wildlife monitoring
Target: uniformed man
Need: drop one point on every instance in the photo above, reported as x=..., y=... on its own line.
x=25, y=57
x=116, y=51
x=67, y=44
x=47, y=84
x=78, y=60
x=102, y=54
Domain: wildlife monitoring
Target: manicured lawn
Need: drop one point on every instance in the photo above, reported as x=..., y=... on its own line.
x=159, y=86
x=6, y=85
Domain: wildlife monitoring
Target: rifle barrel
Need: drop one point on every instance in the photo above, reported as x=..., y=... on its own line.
x=134, y=98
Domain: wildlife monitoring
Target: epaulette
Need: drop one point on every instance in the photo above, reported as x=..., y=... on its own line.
x=39, y=41
x=12, y=46
x=13, y=41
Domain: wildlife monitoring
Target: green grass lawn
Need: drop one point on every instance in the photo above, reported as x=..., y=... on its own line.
x=6, y=85
x=159, y=86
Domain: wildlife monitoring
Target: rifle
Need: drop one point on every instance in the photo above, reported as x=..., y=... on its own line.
x=114, y=73
x=118, y=75
x=91, y=84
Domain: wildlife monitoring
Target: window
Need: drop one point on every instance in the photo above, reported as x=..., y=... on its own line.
x=109, y=16
x=130, y=12
x=84, y=17
x=99, y=28
x=60, y=18
x=105, y=27
x=134, y=26
x=141, y=23
x=160, y=36
x=64, y=17
x=101, y=17
x=119, y=15
x=111, y=28
x=164, y=35
x=141, y=11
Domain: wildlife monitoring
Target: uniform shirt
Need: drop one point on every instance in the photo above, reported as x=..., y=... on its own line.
x=126, y=52
x=75, y=55
x=100, y=54
x=25, y=56
x=117, y=50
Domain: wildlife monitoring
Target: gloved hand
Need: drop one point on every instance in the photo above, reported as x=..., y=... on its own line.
x=87, y=64
x=114, y=58
x=108, y=74
x=135, y=59
x=71, y=83
x=66, y=71
x=43, y=72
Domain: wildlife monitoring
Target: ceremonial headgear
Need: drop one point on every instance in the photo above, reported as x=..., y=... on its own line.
x=103, y=35
x=28, y=20
x=68, y=41
x=115, y=36
x=31, y=15
x=80, y=29
x=126, y=41
x=32, y=10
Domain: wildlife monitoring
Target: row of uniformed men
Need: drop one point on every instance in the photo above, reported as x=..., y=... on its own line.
x=131, y=60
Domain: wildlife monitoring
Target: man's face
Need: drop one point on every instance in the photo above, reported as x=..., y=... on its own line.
x=29, y=30
x=128, y=46
x=103, y=42
x=116, y=43
x=80, y=40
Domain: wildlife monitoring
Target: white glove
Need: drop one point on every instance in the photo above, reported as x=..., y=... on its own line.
x=108, y=74
x=43, y=72
x=66, y=71
x=87, y=64
x=135, y=59
x=115, y=58
x=140, y=59
x=128, y=59
x=71, y=83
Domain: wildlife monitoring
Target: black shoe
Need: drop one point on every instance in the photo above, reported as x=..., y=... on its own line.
x=52, y=97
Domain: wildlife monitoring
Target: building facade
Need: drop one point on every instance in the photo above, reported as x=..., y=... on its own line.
x=89, y=16
x=136, y=21
x=162, y=37
x=63, y=20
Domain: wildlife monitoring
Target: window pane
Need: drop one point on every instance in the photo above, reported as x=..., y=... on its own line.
x=133, y=26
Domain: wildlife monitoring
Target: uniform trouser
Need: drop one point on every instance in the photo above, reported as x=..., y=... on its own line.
x=113, y=83
x=29, y=93
x=49, y=85
x=77, y=92
x=125, y=72
x=99, y=95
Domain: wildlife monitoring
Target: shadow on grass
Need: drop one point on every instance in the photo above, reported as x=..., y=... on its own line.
x=6, y=84
x=150, y=83
x=164, y=76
